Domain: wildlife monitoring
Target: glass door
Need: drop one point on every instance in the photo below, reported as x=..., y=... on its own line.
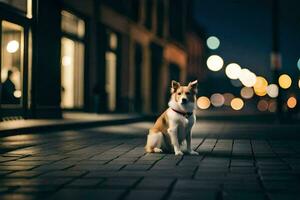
x=12, y=48
x=13, y=68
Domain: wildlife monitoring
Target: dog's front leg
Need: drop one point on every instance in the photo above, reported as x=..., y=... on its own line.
x=173, y=132
x=188, y=142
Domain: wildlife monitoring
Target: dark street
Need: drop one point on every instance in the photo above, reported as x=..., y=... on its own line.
x=236, y=161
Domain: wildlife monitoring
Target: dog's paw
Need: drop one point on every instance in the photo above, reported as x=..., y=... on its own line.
x=178, y=153
x=192, y=152
x=157, y=150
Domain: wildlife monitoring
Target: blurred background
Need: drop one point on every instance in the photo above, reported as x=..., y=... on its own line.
x=119, y=56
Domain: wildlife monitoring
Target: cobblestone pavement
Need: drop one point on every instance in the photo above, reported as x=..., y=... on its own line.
x=236, y=161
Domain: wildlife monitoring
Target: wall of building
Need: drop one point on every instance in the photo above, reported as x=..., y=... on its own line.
x=151, y=49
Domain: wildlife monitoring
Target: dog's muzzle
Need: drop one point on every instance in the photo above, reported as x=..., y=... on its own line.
x=184, y=101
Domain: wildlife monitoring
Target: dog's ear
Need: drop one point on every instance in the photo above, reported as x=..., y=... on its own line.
x=175, y=86
x=194, y=86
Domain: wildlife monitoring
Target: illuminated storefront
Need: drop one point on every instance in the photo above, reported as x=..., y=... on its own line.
x=15, y=17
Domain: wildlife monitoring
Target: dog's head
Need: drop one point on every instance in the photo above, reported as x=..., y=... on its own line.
x=184, y=96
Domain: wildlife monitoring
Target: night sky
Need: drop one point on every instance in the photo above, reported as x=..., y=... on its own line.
x=244, y=28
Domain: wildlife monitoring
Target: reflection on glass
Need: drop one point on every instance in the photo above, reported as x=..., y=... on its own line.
x=11, y=63
x=72, y=73
x=72, y=24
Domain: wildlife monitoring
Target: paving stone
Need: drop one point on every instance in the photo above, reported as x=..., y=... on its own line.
x=196, y=185
x=119, y=182
x=283, y=196
x=238, y=195
x=85, y=182
x=24, y=174
x=65, y=173
x=155, y=183
x=136, y=167
x=17, y=197
x=193, y=195
x=90, y=194
x=145, y=194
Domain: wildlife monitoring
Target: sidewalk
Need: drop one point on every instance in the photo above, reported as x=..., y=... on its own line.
x=71, y=120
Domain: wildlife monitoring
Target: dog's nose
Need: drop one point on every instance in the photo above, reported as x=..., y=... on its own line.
x=184, y=101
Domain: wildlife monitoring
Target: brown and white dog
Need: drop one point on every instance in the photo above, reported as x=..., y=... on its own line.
x=173, y=128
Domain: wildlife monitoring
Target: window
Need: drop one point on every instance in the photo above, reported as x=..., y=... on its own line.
x=72, y=24
x=12, y=42
x=72, y=61
x=22, y=5
x=111, y=70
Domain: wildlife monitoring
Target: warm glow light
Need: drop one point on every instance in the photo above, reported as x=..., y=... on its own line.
x=292, y=102
x=66, y=61
x=237, y=104
x=247, y=92
x=228, y=97
x=233, y=71
x=299, y=83
x=272, y=106
x=213, y=42
x=285, y=81
x=17, y=93
x=262, y=105
x=247, y=78
x=272, y=90
x=214, y=63
x=298, y=64
x=203, y=103
x=260, y=86
x=12, y=46
x=217, y=100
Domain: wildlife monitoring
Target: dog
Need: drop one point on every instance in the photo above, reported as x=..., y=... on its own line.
x=173, y=128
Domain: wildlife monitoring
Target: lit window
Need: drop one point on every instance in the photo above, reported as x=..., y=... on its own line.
x=72, y=73
x=11, y=63
x=72, y=24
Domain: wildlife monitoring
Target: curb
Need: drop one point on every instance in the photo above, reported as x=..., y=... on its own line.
x=71, y=126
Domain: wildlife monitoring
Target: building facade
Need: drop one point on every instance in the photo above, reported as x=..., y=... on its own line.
x=104, y=56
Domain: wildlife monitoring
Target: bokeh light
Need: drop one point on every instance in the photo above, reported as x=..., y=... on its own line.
x=247, y=92
x=285, y=81
x=217, y=100
x=12, y=46
x=272, y=106
x=233, y=71
x=247, y=78
x=298, y=64
x=272, y=90
x=292, y=102
x=260, y=86
x=214, y=63
x=299, y=83
x=213, y=42
x=17, y=93
x=237, y=104
x=203, y=102
x=262, y=105
x=228, y=97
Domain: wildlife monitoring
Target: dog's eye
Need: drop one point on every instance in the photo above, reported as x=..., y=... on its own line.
x=179, y=93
